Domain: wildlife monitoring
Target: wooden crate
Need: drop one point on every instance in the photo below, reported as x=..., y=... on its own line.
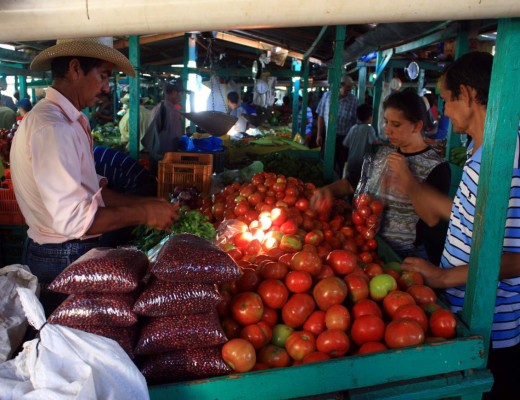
x=186, y=170
x=10, y=213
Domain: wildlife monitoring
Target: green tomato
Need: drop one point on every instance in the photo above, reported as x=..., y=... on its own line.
x=380, y=285
x=280, y=334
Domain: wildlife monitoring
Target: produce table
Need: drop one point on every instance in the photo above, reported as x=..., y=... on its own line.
x=429, y=371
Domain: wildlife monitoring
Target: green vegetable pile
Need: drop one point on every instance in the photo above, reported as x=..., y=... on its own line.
x=291, y=165
x=190, y=221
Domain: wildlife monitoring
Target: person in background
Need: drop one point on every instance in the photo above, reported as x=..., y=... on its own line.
x=7, y=101
x=144, y=121
x=24, y=106
x=465, y=89
x=125, y=176
x=346, y=119
x=308, y=121
x=401, y=226
x=285, y=109
x=66, y=205
x=358, y=142
x=104, y=110
x=237, y=111
x=7, y=117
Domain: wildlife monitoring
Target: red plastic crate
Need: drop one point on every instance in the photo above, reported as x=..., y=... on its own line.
x=10, y=213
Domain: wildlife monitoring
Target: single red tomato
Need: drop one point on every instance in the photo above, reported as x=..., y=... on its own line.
x=278, y=215
x=342, y=261
x=297, y=309
x=302, y=204
x=367, y=328
x=373, y=269
x=254, y=335
x=306, y=261
x=239, y=354
x=298, y=281
x=443, y=324
x=299, y=344
x=289, y=227
x=329, y=291
x=273, y=270
x=315, y=357
x=270, y=316
x=315, y=323
x=409, y=278
x=274, y=293
x=247, y=308
x=371, y=347
x=333, y=342
x=414, y=312
x=274, y=356
x=357, y=219
x=403, y=333
x=337, y=317
x=366, y=307
x=393, y=300
x=376, y=207
x=314, y=237
x=422, y=294
x=357, y=287
x=248, y=281
x=231, y=327
x=430, y=308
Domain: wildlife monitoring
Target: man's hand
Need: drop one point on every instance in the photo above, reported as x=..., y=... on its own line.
x=160, y=213
x=433, y=275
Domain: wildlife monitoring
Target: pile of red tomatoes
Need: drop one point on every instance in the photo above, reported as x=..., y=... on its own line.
x=313, y=286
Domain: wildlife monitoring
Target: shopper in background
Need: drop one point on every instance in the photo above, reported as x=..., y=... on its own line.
x=7, y=117
x=401, y=227
x=308, y=121
x=66, y=205
x=24, y=106
x=238, y=110
x=464, y=89
x=144, y=121
x=7, y=101
x=104, y=110
x=358, y=142
x=346, y=119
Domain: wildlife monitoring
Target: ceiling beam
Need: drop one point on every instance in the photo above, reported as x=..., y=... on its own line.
x=123, y=44
x=440, y=36
x=257, y=44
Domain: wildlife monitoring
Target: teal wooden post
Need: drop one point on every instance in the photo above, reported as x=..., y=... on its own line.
x=184, y=75
x=498, y=152
x=362, y=84
x=23, y=86
x=135, y=59
x=461, y=47
x=305, y=97
x=334, y=80
x=296, y=67
x=33, y=95
x=378, y=92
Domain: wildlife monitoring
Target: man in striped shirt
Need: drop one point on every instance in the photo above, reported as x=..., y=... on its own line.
x=465, y=88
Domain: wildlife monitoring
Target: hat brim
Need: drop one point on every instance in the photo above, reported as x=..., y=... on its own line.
x=42, y=62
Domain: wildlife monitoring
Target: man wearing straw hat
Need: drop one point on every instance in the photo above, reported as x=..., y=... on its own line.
x=64, y=202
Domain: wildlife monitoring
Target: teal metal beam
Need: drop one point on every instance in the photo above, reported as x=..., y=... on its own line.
x=15, y=56
x=231, y=72
x=13, y=69
x=382, y=62
x=305, y=97
x=335, y=79
x=134, y=54
x=461, y=47
x=316, y=42
x=22, y=90
x=498, y=151
x=440, y=36
x=362, y=85
x=377, y=93
x=296, y=66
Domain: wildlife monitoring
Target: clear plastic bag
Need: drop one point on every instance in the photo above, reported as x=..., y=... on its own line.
x=95, y=309
x=102, y=270
x=165, y=334
x=162, y=298
x=184, y=365
x=189, y=258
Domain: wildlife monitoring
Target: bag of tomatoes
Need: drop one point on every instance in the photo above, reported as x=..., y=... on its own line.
x=367, y=202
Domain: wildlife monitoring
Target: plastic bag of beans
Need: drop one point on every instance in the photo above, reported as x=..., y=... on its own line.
x=95, y=309
x=125, y=337
x=102, y=270
x=189, y=258
x=163, y=298
x=188, y=331
x=184, y=365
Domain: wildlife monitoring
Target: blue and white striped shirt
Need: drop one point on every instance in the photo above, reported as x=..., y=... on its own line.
x=506, y=322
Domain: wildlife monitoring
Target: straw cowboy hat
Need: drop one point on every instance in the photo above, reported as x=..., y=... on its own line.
x=101, y=48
